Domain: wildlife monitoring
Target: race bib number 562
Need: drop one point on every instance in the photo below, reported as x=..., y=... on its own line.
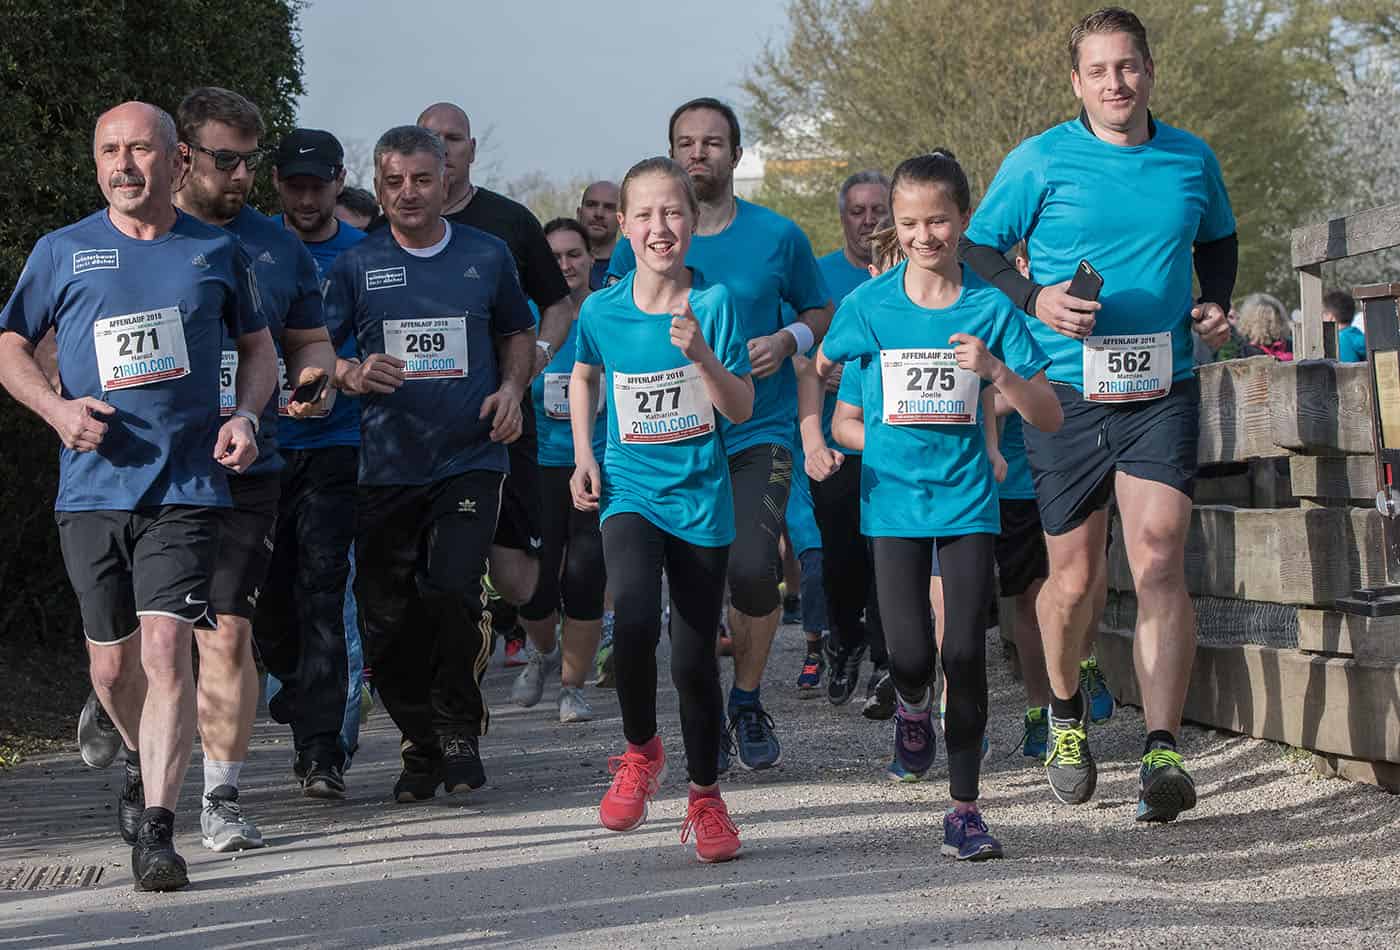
x=140, y=348
x=924, y=387
x=431, y=348
x=1127, y=368
x=662, y=407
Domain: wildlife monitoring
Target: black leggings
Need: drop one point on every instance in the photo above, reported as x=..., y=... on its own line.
x=848, y=573
x=637, y=551
x=572, y=542
x=902, y=566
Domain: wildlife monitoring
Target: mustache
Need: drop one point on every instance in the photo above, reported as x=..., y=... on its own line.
x=123, y=180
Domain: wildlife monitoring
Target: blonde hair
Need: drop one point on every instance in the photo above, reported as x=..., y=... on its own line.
x=885, y=249
x=1263, y=320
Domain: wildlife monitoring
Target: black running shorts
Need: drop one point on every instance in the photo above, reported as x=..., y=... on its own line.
x=246, y=533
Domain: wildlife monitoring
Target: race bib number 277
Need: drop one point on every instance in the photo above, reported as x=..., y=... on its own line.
x=668, y=406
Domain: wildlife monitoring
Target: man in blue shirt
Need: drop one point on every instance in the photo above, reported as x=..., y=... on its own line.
x=219, y=135
x=1339, y=307
x=766, y=261
x=1139, y=201
x=301, y=622
x=141, y=297
x=597, y=212
x=446, y=348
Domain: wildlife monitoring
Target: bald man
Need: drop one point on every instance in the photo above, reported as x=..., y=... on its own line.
x=597, y=212
x=516, y=548
x=140, y=295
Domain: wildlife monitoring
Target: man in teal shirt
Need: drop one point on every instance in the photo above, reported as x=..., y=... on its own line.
x=1339, y=307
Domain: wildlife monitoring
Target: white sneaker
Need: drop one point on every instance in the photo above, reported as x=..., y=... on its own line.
x=572, y=706
x=223, y=824
x=529, y=685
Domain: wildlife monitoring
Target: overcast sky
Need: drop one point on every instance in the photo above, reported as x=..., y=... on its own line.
x=566, y=88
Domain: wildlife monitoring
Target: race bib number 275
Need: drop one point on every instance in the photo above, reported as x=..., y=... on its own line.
x=926, y=387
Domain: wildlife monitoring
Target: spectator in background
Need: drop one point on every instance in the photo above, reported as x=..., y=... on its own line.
x=1339, y=307
x=356, y=207
x=1264, y=325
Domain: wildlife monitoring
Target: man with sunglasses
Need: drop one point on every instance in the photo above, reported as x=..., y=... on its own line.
x=219, y=132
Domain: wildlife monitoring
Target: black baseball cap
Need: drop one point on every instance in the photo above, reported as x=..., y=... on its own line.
x=309, y=152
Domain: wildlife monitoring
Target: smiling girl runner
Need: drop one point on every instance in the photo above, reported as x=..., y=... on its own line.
x=675, y=357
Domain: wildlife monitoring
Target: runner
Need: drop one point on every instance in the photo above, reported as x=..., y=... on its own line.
x=765, y=261
x=672, y=348
x=140, y=295
x=430, y=304
x=597, y=212
x=219, y=133
x=1137, y=200
x=356, y=207
x=300, y=623
x=515, y=550
x=848, y=574
x=802, y=539
x=924, y=332
x=572, y=573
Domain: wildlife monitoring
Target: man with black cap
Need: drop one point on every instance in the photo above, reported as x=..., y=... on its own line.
x=300, y=625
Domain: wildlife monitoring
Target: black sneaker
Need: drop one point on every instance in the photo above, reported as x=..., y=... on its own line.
x=792, y=609
x=461, y=765
x=98, y=739
x=416, y=786
x=1070, y=766
x=880, y=697
x=131, y=802
x=300, y=764
x=154, y=864
x=323, y=780
x=844, y=677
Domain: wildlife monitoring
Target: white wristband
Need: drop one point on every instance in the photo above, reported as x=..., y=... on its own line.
x=802, y=334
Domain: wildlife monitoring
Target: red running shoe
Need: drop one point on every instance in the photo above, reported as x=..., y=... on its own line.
x=716, y=837
x=635, y=780
x=515, y=652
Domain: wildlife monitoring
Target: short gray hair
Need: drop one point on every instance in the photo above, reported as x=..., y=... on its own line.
x=408, y=140
x=868, y=177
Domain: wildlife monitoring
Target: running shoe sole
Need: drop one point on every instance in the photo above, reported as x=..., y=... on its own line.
x=719, y=860
x=165, y=876
x=234, y=842
x=99, y=747
x=323, y=790
x=1170, y=793
x=987, y=852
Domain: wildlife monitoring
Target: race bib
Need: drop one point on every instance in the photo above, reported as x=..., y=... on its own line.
x=140, y=348
x=431, y=348
x=284, y=388
x=669, y=406
x=228, y=376
x=556, y=396
x=1127, y=368
x=927, y=386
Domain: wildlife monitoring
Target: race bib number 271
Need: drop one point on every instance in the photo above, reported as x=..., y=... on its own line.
x=136, y=349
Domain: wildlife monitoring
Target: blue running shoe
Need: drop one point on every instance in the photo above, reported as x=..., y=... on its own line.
x=1101, y=702
x=898, y=773
x=1035, y=742
x=809, y=681
x=965, y=837
x=754, y=740
x=915, y=746
x=1167, y=788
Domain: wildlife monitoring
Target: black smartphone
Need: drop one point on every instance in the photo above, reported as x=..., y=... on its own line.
x=1087, y=282
x=310, y=392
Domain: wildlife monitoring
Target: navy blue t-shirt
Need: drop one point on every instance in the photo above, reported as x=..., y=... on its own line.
x=441, y=315
x=342, y=426
x=139, y=325
x=291, y=300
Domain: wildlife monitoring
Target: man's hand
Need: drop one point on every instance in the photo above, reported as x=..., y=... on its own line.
x=1211, y=324
x=79, y=424
x=1070, y=316
x=686, y=335
x=998, y=463
x=972, y=354
x=379, y=373
x=236, y=448
x=584, y=485
x=832, y=380
x=306, y=410
x=766, y=353
x=503, y=407
x=823, y=463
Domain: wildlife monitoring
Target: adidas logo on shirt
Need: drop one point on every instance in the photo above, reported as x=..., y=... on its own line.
x=266, y=258
x=200, y=262
x=471, y=272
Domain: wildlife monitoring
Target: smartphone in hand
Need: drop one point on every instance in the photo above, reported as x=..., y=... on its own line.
x=310, y=392
x=1087, y=282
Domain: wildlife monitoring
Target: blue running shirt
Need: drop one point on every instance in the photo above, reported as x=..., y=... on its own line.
x=549, y=392
x=766, y=261
x=442, y=315
x=1351, y=345
x=924, y=479
x=291, y=300
x=91, y=281
x=1133, y=212
x=342, y=426
x=682, y=487
x=841, y=278
x=1017, y=486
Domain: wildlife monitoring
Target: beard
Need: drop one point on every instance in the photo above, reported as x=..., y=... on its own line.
x=708, y=188
x=216, y=205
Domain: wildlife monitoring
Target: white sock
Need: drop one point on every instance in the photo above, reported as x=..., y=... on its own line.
x=921, y=706
x=220, y=773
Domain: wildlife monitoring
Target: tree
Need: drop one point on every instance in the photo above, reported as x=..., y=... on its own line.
x=868, y=84
x=546, y=197
x=61, y=65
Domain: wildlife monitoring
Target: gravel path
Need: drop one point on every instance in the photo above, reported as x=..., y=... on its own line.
x=834, y=855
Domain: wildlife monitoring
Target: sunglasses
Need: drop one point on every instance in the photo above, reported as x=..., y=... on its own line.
x=226, y=159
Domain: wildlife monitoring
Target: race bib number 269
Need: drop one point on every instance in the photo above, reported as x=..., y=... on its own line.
x=431, y=348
